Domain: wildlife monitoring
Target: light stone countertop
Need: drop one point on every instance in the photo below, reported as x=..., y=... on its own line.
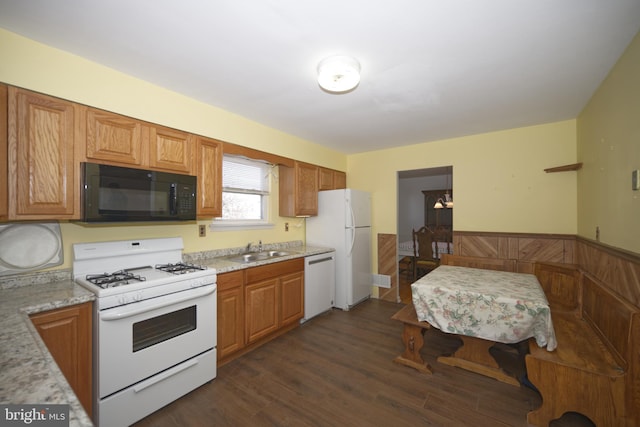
x=28, y=373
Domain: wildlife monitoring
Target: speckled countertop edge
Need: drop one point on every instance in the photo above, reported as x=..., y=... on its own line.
x=28, y=373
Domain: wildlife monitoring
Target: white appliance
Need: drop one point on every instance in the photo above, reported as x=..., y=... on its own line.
x=319, y=284
x=154, y=325
x=344, y=223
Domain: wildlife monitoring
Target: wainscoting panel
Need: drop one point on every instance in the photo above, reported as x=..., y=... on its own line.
x=620, y=270
x=388, y=264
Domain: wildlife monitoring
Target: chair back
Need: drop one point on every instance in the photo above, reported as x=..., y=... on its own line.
x=442, y=237
x=422, y=244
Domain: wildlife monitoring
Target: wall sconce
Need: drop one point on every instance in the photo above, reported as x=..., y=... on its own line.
x=338, y=74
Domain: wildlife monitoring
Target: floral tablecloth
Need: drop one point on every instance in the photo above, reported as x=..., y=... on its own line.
x=493, y=305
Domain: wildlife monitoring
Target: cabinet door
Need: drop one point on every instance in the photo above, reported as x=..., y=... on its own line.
x=306, y=189
x=291, y=298
x=209, y=178
x=42, y=172
x=325, y=179
x=261, y=305
x=170, y=150
x=339, y=180
x=67, y=334
x=230, y=322
x=114, y=138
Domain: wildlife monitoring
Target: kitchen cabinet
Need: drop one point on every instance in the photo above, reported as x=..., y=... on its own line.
x=330, y=179
x=209, y=172
x=115, y=139
x=42, y=172
x=258, y=304
x=298, y=189
x=4, y=181
x=274, y=297
x=230, y=323
x=339, y=180
x=123, y=141
x=67, y=335
x=171, y=150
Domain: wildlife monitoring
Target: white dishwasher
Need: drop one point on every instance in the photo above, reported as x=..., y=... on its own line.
x=319, y=284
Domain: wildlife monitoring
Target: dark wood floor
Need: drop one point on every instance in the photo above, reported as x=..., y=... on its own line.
x=337, y=370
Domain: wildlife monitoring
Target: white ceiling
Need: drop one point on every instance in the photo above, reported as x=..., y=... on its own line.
x=431, y=69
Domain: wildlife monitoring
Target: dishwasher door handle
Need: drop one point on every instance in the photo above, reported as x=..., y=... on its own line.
x=317, y=261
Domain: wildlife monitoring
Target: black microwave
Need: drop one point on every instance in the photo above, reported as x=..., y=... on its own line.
x=117, y=194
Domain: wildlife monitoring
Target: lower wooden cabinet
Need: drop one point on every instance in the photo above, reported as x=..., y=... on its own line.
x=230, y=326
x=258, y=304
x=67, y=333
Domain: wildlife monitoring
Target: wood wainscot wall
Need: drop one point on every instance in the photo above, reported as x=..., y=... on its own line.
x=618, y=269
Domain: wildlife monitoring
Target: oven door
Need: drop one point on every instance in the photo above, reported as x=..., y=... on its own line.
x=139, y=340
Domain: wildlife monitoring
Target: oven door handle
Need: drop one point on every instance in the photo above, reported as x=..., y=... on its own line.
x=148, y=305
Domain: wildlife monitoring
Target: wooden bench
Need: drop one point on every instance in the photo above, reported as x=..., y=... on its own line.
x=595, y=370
x=412, y=337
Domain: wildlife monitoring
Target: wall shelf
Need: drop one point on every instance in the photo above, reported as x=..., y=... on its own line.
x=565, y=168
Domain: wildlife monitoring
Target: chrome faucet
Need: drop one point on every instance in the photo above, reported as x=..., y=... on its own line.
x=260, y=246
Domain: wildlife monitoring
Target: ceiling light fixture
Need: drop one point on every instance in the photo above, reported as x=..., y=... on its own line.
x=448, y=200
x=338, y=74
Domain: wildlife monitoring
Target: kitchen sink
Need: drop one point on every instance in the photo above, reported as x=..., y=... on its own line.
x=257, y=256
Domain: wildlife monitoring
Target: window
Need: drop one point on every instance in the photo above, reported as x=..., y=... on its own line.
x=245, y=191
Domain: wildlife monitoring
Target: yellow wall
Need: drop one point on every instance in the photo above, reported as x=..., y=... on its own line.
x=609, y=147
x=498, y=179
x=40, y=68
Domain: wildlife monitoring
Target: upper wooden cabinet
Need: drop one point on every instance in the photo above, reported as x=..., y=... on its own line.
x=209, y=177
x=339, y=180
x=330, y=179
x=298, y=190
x=114, y=139
x=171, y=150
x=123, y=141
x=43, y=177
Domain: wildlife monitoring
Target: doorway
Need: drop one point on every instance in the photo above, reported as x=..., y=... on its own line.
x=418, y=192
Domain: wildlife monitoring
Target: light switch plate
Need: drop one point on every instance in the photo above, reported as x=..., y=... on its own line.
x=635, y=179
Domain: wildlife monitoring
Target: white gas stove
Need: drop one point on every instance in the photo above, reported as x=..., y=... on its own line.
x=123, y=272
x=154, y=325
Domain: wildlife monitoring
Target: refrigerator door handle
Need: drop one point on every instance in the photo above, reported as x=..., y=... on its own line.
x=353, y=240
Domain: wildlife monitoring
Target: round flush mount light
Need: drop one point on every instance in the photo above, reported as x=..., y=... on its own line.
x=338, y=74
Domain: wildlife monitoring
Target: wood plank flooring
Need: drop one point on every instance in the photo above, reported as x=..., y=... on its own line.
x=337, y=370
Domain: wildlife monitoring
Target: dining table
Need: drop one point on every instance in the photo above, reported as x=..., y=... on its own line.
x=483, y=307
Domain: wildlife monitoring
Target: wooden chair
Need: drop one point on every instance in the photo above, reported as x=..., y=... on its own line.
x=442, y=239
x=424, y=259
x=405, y=265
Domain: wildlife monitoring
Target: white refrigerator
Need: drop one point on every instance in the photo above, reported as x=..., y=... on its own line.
x=344, y=223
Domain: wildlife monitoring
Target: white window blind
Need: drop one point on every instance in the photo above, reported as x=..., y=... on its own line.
x=242, y=175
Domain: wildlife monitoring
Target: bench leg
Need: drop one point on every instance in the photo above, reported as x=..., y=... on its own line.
x=413, y=342
x=474, y=356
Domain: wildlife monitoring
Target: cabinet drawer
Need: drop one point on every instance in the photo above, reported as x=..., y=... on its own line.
x=230, y=280
x=264, y=272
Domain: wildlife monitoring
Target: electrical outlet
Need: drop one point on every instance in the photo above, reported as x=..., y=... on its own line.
x=286, y=226
x=202, y=230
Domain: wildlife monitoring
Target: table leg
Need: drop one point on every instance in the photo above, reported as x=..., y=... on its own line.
x=474, y=356
x=413, y=342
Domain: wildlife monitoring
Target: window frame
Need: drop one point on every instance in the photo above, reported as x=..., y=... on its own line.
x=221, y=224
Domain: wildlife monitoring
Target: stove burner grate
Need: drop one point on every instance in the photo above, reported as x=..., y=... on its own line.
x=179, y=268
x=111, y=280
